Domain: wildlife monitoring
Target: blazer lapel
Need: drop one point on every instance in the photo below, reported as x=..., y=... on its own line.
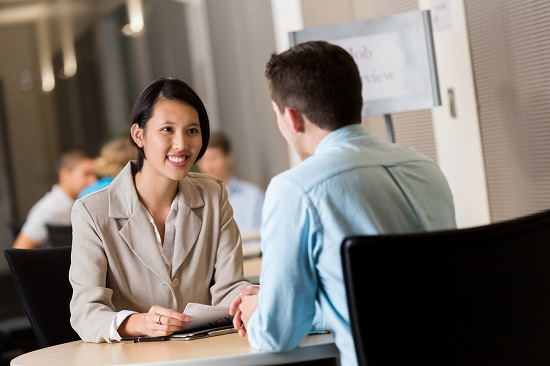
x=188, y=224
x=140, y=237
x=137, y=231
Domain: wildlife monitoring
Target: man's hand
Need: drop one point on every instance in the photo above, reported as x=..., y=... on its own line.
x=240, y=319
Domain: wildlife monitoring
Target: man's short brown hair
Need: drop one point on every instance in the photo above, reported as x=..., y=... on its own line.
x=320, y=80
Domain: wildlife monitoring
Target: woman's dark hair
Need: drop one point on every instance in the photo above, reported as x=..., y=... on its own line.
x=171, y=89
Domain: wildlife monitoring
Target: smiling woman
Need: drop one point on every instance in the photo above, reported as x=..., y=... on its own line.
x=195, y=41
x=161, y=216
x=170, y=124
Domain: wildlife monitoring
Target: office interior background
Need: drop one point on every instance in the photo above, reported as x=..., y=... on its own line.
x=490, y=135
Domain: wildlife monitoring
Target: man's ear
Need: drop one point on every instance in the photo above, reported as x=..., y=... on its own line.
x=297, y=120
x=137, y=134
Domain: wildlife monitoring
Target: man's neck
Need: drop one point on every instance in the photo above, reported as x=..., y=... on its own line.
x=312, y=137
x=69, y=192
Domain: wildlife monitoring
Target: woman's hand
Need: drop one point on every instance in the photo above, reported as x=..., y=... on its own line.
x=158, y=322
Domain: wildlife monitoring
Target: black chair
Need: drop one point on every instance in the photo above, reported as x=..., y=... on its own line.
x=476, y=296
x=41, y=277
x=60, y=235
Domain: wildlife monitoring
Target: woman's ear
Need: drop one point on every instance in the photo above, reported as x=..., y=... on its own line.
x=296, y=119
x=137, y=134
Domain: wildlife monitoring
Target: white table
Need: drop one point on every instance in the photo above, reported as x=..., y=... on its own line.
x=226, y=350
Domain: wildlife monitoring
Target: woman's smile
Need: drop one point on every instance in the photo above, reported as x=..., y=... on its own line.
x=178, y=160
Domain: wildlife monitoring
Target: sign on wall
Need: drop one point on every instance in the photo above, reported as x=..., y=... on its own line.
x=395, y=57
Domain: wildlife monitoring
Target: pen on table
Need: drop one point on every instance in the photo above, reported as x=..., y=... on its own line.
x=222, y=331
x=143, y=339
x=150, y=339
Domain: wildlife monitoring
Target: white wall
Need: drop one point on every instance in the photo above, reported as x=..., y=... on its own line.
x=287, y=17
x=458, y=139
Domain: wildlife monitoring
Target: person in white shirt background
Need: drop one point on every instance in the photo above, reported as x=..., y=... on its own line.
x=75, y=170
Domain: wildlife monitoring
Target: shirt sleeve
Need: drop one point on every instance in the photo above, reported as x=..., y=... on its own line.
x=120, y=317
x=288, y=279
x=259, y=203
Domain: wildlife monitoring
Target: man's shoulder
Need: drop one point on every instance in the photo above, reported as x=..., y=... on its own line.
x=302, y=176
x=51, y=207
x=346, y=161
x=54, y=199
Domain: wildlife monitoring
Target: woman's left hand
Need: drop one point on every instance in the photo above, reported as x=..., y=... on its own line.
x=162, y=321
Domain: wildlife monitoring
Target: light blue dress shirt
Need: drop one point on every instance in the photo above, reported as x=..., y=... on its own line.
x=96, y=186
x=354, y=183
x=247, y=200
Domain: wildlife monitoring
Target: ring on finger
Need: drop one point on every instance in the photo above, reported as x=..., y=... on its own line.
x=158, y=320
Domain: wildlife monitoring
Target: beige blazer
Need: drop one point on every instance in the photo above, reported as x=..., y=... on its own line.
x=117, y=265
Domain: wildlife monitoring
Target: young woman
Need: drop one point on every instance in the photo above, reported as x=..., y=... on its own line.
x=158, y=237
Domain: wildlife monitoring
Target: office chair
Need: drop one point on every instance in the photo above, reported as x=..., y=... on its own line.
x=475, y=296
x=41, y=277
x=60, y=235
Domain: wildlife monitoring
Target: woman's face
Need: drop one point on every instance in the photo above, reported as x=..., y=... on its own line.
x=171, y=140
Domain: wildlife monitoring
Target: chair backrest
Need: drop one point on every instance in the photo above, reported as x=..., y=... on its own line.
x=476, y=296
x=60, y=235
x=41, y=277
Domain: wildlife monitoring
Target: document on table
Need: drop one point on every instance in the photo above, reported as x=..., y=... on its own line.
x=206, y=317
x=204, y=321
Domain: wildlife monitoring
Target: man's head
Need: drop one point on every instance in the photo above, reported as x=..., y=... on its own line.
x=217, y=158
x=76, y=170
x=318, y=79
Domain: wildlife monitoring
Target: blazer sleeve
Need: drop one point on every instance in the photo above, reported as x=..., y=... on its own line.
x=92, y=311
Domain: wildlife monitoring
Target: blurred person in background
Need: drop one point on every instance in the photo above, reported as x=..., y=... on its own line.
x=75, y=170
x=246, y=198
x=114, y=155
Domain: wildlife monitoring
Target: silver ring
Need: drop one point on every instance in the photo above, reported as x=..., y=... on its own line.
x=158, y=320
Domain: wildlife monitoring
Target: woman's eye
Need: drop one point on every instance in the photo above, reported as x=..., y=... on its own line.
x=167, y=129
x=193, y=131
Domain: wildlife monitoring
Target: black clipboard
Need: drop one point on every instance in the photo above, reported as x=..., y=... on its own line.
x=186, y=335
x=205, y=333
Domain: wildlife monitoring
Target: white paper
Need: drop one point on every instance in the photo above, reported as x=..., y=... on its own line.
x=381, y=62
x=206, y=316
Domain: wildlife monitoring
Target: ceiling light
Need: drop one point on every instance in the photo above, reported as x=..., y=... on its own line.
x=135, y=17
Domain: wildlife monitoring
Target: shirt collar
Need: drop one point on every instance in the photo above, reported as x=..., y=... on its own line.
x=341, y=134
x=174, y=205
